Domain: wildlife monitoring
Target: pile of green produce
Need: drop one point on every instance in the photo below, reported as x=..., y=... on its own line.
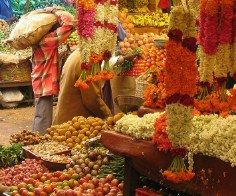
x=115, y=167
x=11, y=155
x=21, y=7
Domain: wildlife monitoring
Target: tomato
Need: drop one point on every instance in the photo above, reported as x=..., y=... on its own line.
x=71, y=183
x=37, y=184
x=57, y=174
x=38, y=191
x=24, y=192
x=14, y=193
x=48, y=189
x=22, y=185
x=43, y=193
x=22, y=189
x=62, y=178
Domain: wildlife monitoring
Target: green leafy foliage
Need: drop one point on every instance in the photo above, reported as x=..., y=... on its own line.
x=21, y=7
x=11, y=155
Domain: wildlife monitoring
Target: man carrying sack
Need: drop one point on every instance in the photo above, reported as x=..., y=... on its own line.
x=45, y=70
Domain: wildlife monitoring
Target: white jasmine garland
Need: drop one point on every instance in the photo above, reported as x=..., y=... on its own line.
x=85, y=45
x=112, y=12
x=211, y=135
x=206, y=67
x=177, y=18
x=191, y=24
x=100, y=14
x=223, y=61
x=139, y=128
x=179, y=123
x=98, y=41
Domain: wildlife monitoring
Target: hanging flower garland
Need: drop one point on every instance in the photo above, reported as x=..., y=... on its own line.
x=111, y=31
x=85, y=28
x=180, y=83
x=217, y=38
x=97, y=30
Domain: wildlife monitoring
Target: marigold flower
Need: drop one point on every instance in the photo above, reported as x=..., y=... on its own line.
x=81, y=84
x=177, y=172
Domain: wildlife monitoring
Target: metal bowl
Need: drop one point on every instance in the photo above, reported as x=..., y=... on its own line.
x=160, y=43
x=128, y=103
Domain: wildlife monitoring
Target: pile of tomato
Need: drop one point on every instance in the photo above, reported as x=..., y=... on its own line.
x=67, y=183
x=150, y=56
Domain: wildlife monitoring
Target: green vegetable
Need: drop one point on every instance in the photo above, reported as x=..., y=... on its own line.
x=21, y=7
x=115, y=167
x=11, y=155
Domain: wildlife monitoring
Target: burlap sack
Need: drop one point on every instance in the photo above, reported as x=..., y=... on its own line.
x=32, y=27
x=13, y=58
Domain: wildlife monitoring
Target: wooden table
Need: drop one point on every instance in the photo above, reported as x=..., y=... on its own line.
x=213, y=176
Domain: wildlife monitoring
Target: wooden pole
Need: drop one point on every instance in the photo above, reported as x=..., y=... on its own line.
x=27, y=4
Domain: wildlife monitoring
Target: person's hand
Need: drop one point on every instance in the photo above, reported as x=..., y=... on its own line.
x=52, y=10
x=120, y=52
x=11, y=20
x=131, y=56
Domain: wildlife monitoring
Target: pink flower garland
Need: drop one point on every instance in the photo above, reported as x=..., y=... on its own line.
x=85, y=22
x=225, y=30
x=210, y=41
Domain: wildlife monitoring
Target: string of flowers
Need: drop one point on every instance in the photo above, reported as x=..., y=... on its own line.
x=85, y=29
x=217, y=38
x=97, y=30
x=180, y=83
x=111, y=31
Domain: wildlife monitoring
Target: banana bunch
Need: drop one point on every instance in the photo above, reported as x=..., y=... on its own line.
x=150, y=19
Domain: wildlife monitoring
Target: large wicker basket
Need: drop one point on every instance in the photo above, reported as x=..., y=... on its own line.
x=15, y=72
x=141, y=84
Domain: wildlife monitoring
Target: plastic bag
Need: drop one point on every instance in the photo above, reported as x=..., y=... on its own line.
x=12, y=95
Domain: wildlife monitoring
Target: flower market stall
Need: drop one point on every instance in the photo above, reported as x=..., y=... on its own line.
x=199, y=122
x=176, y=136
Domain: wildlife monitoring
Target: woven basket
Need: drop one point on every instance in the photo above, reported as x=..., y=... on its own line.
x=141, y=84
x=15, y=72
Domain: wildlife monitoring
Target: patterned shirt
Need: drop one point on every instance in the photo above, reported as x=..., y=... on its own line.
x=45, y=59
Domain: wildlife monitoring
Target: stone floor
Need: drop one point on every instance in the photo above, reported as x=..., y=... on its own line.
x=15, y=120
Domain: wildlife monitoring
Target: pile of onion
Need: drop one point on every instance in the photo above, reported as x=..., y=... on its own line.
x=134, y=41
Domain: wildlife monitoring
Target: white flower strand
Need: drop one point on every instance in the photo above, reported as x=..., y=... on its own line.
x=179, y=123
x=210, y=135
x=207, y=64
x=139, y=128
